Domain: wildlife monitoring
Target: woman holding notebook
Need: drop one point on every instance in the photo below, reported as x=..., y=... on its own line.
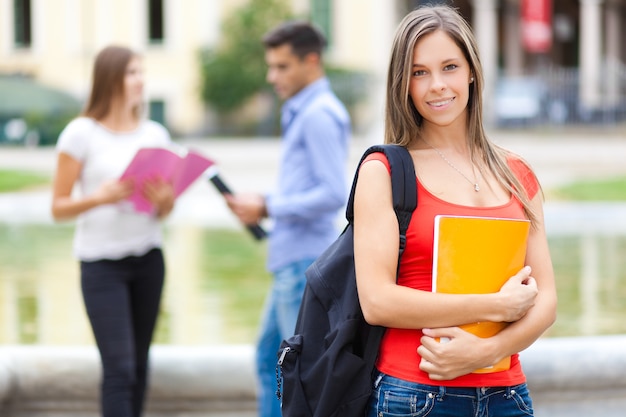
x=427, y=364
x=121, y=263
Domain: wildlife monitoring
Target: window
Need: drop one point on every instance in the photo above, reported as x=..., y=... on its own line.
x=156, y=27
x=321, y=15
x=156, y=111
x=22, y=23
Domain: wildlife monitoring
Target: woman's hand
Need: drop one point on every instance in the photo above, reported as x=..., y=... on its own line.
x=112, y=191
x=517, y=296
x=161, y=194
x=460, y=353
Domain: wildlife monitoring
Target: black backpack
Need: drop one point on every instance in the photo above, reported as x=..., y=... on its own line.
x=326, y=367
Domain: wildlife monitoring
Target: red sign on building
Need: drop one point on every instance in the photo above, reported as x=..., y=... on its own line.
x=537, y=25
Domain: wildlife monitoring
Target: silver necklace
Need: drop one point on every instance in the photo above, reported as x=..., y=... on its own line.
x=473, y=183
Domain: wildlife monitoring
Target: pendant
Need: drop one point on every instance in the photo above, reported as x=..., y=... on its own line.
x=476, y=187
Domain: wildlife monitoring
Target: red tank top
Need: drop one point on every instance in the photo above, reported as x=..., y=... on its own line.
x=398, y=355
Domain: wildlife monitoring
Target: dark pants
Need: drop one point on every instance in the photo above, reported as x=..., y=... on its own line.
x=122, y=301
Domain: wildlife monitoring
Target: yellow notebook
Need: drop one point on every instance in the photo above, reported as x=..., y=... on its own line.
x=477, y=255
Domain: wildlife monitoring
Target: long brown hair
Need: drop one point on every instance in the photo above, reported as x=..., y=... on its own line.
x=107, y=83
x=403, y=123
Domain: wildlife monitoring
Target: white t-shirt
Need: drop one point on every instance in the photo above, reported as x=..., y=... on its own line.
x=110, y=231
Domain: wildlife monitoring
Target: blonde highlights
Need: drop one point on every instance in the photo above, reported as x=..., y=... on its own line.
x=403, y=123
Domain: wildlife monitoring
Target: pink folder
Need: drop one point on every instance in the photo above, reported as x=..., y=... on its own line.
x=180, y=170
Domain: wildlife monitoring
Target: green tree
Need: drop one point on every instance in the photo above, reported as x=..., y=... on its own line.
x=235, y=70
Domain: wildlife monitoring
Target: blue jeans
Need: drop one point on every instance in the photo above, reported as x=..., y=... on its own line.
x=278, y=323
x=396, y=397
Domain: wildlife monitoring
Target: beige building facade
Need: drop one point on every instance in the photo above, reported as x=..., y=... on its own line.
x=57, y=44
x=63, y=36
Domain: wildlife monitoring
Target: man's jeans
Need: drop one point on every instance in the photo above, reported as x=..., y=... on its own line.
x=278, y=323
x=397, y=397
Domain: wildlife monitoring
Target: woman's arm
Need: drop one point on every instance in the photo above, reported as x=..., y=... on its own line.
x=376, y=257
x=465, y=352
x=65, y=207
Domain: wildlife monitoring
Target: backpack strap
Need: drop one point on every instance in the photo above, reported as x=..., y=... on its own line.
x=403, y=185
x=404, y=194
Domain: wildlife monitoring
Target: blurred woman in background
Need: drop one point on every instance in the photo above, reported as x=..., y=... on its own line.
x=121, y=263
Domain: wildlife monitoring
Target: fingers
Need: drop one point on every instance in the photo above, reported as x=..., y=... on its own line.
x=435, y=337
x=236, y=205
x=113, y=191
x=158, y=191
x=447, y=353
x=522, y=277
x=231, y=201
x=523, y=274
x=426, y=350
x=125, y=189
x=247, y=207
x=518, y=295
x=531, y=282
x=444, y=332
x=161, y=194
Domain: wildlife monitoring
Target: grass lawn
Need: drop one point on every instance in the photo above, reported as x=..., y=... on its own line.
x=610, y=189
x=13, y=180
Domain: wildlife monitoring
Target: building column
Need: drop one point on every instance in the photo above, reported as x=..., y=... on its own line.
x=485, y=26
x=590, y=52
x=512, y=51
x=613, y=38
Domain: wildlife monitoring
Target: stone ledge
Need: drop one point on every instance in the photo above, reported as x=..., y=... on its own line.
x=567, y=376
x=215, y=381
x=577, y=376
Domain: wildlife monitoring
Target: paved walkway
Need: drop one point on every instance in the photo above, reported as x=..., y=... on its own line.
x=558, y=156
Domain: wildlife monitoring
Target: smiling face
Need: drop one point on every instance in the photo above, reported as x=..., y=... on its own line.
x=440, y=79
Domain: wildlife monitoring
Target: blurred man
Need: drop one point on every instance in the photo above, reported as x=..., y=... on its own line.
x=311, y=186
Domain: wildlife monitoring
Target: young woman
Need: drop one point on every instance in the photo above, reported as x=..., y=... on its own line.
x=434, y=106
x=121, y=263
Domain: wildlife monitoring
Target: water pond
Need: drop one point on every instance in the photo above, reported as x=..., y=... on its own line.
x=217, y=282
